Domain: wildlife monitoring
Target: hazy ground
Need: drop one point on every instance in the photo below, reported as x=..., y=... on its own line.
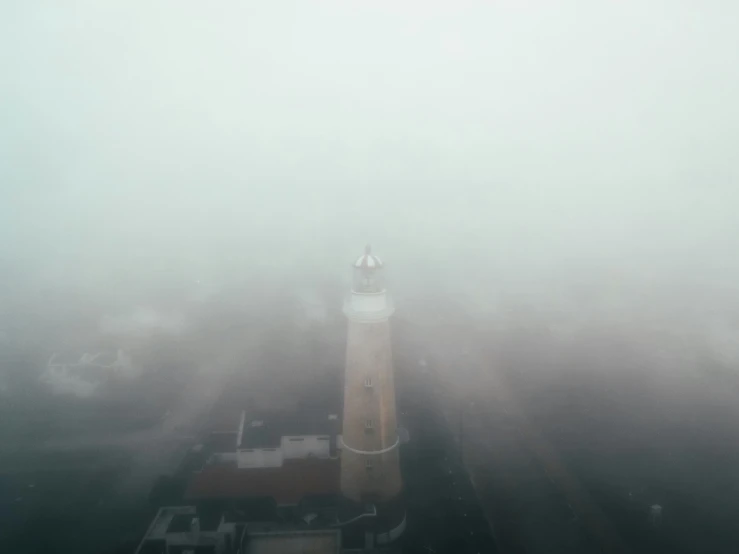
x=572, y=426
x=613, y=418
x=99, y=457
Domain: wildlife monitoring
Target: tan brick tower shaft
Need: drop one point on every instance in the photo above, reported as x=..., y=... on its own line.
x=370, y=470
x=369, y=458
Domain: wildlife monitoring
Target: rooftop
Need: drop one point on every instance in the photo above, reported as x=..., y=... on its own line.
x=169, y=519
x=193, y=549
x=164, y=518
x=287, y=484
x=301, y=542
x=181, y=523
x=221, y=442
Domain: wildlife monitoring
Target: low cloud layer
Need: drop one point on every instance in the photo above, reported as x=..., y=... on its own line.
x=568, y=154
x=143, y=322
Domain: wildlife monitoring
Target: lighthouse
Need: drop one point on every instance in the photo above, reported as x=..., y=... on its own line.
x=370, y=470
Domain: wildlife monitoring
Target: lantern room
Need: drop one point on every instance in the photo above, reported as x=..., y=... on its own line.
x=368, y=276
x=368, y=300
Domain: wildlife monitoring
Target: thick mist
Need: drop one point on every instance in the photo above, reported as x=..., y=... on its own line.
x=572, y=155
x=553, y=187
x=522, y=140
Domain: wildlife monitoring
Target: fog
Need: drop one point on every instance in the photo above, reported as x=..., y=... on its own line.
x=576, y=155
x=516, y=139
x=555, y=184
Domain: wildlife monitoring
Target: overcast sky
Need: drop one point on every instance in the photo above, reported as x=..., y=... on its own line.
x=509, y=137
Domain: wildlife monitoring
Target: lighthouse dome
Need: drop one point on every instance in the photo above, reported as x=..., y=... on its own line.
x=368, y=260
x=368, y=300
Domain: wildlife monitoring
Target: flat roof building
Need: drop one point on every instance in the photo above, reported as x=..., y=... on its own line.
x=325, y=541
x=180, y=530
x=288, y=484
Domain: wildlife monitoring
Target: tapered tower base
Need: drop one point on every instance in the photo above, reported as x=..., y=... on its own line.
x=369, y=458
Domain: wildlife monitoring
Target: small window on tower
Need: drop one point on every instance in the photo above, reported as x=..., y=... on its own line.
x=369, y=425
x=368, y=382
x=368, y=465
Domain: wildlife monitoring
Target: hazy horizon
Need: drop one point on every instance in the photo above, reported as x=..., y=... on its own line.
x=525, y=148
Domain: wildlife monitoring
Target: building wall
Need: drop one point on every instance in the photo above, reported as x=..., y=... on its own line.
x=259, y=457
x=369, y=355
x=226, y=532
x=295, y=446
x=303, y=446
x=199, y=538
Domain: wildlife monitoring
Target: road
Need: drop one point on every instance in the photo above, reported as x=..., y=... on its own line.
x=534, y=502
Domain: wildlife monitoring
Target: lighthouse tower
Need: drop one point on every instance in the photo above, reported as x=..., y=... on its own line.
x=370, y=471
